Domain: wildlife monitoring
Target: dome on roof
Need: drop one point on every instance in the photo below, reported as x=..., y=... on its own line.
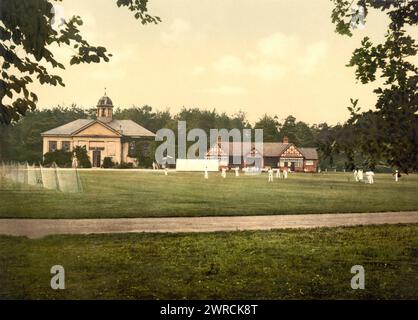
x=105, y=101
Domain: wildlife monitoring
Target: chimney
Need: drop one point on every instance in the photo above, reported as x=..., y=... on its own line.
x=285, y=140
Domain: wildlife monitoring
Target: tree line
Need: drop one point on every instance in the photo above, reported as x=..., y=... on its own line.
x=337, y=145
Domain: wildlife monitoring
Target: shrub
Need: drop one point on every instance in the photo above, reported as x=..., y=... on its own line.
x=82, y=157
x=108, y=163
x=60, y=157
x=125, y=165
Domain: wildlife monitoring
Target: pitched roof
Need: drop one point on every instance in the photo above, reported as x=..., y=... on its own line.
x=69, y=128
x=270, y=149
x=274, y=149
x=309, y=153
x=128, y=128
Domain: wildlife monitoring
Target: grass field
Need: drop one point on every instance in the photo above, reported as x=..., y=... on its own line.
x=151, y=194
x=285, y=264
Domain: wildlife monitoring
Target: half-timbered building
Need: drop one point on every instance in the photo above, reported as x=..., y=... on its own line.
x=273, y=155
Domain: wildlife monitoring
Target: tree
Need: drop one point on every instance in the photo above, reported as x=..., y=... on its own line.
x=270, y=128
x=82, y=156
x=61, y=158
x=22, y=141
x=396, y=114
x=298, y=132
x=27, y=34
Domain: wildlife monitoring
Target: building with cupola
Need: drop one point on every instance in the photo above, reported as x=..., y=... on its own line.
x=103, y=137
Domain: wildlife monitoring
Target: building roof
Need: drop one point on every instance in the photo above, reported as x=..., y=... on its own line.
x=130, y=128
x=309, y=153
x=105, y=101
x=69, y=128
x=274, y=149
x=127, y=128
x=270, y=149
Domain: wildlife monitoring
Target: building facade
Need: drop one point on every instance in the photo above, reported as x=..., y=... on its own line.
x=273, y=155
x=103, y=137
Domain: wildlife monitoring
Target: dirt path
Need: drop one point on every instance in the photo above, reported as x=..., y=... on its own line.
x=37, y=228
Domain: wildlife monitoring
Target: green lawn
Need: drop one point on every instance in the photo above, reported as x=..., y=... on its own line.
x=151, y=194
x=285, y=264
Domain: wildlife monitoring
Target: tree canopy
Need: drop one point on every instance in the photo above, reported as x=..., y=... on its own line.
x=27, y=35
x=391, y=128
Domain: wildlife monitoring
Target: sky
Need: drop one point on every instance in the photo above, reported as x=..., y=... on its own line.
x=276, y=57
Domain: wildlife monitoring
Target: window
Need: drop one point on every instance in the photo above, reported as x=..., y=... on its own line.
x=131, y=150
x=287, y=162
x=96, y=145
x=309, y=163
x=52, y=146
x=65, y=146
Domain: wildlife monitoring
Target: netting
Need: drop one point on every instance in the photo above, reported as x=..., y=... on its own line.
x=49, y=178
x=68, y=180
x=53, y=178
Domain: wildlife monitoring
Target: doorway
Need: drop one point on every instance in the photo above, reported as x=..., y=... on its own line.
x=96, y=158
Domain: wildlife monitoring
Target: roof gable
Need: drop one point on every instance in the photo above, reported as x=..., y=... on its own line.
x=97, y=128
x=291, y=152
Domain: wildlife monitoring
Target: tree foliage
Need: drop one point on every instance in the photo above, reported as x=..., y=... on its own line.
x=22, y=141
x=391, y=130
x=27, y=37
x=60, y=157
x=82, y=156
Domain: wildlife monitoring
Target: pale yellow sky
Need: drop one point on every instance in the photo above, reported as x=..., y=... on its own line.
x=278, y=57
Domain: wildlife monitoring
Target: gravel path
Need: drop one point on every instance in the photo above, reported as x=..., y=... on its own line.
x=37, y=228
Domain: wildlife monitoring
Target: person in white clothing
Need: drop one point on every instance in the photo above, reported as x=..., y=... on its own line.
x=270, y=175
x=360, y=175
x=223, y=173
x=236, y=171
x=206, y=173
x=166, y=171
x=355, y=175
x=397, y=175
x=285, y=173
x=75, y=162
x=369, y=176
x=278, y=173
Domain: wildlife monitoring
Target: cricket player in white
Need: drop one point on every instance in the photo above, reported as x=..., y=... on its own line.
x=396, y=175
x=355, y=175
x=166, y=171
x=360, y=175
x=270, y=175
x=236, y=171
x=369, y=175
x=285, y=173
x=223, y=173
x=206, y=173
x=278, y=173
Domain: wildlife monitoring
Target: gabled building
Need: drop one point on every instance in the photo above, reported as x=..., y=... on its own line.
x=274, y=155
x=103, y=137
